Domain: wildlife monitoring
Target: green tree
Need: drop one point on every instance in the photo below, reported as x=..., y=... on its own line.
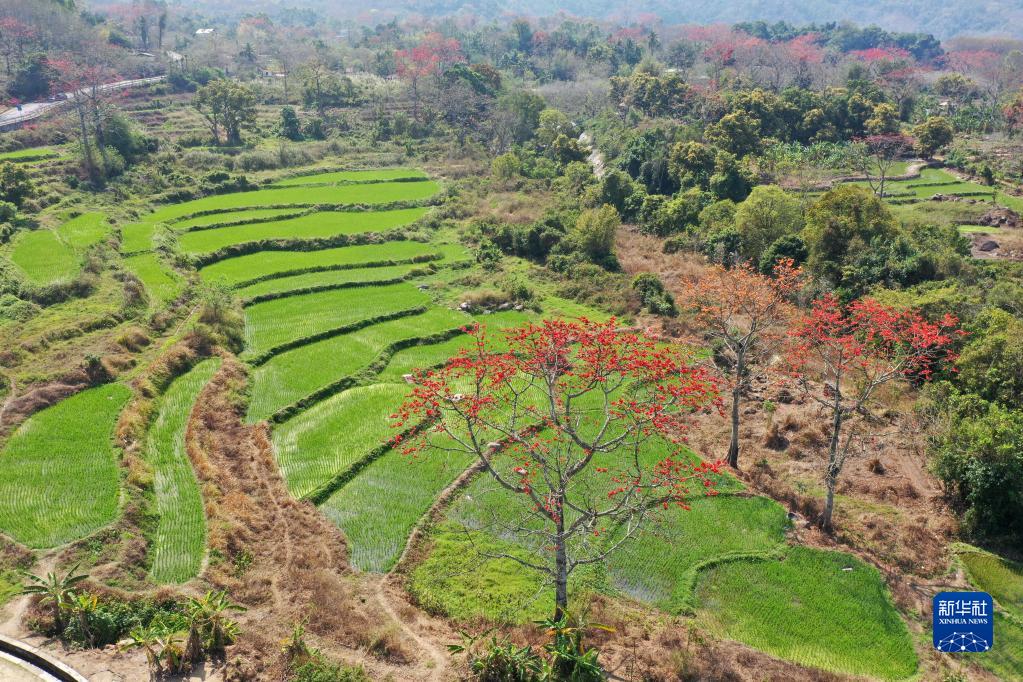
x=594, y=233
x=227, y=107
x=652, y=293
x=33, y=79
x=737, y=132
x=840, y=228
x=323, y=89
x=977, y=452
x=519, y=115
x=991, y=363
x=933, y=135
x=692, y=163
x=506, y=166
x=290, y=127
x=15, y=183
x=884, y=121
x=767, y=215
x=618, y=190
x=730, y=180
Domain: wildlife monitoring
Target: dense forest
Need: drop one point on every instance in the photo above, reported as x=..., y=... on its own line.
x=945, y=20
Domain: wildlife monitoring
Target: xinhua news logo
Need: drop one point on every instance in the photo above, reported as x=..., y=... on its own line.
x=964, y=622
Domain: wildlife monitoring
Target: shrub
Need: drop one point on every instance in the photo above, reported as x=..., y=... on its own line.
x=653, y=295
x=978, y=454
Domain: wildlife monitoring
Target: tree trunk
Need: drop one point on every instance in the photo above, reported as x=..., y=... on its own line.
x=561, y=566
x=90, y=164
x=733, y=447
x=831, y=477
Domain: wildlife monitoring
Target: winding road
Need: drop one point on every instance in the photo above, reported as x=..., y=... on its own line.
x=29, y=111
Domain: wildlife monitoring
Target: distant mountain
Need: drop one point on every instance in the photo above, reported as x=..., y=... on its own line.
x=943, y=18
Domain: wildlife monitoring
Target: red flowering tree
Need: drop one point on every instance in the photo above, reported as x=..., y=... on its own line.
x=854, y=351
x=580, y=426
x=432, y=56
x=745, y=313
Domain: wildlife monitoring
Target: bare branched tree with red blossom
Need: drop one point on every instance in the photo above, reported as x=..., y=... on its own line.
x=580, y=425
x=852, y=352
x=745, y=313
x=434, y=54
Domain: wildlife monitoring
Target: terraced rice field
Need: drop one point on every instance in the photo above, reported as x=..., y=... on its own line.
x=934, y=181
x=61, y=474
x=1001, y=578
x=326, y=440
x=83, y=231
x=251, y=268
x=43, y=257
x=300, y=372
x=267, y=203
x=30, y=154
x=161, y=282
x=282, y=321
x=318, y=225
x=378, y=508
x=48, y=256
x=179, y=542
x=824, y=609
x=660, y=566
x=354, y=194
x=236, y=217
x=332, y=177
x=426, y=356
x=326, y=279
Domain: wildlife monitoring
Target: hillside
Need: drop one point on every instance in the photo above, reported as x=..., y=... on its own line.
x=517, y=350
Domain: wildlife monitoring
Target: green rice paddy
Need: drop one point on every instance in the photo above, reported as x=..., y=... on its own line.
x=317, y=225
x=325, y=279
x=824, y=609
x=660, y=565
x=377, y=509
x=331, y=177
x=331, y=436
x=297, y=373
x=61, y=474
x=85, y=230
x=281, y=321
x=235, y=217
x=359, y=194
x=43, y=257
x=251, y=268
x=179, y=542
x=161, y=282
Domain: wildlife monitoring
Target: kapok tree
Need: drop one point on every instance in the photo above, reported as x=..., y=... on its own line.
x=579, y=424
x=853, y=351
x=745, y=312
x=874, y=156
x=434, y=54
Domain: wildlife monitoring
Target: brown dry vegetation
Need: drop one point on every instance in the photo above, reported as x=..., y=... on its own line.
x=281, y=558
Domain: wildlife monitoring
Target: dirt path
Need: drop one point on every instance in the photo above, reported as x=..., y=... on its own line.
x=436, y=654
x=15, y=610
x=594, y=158
x=913, y=469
